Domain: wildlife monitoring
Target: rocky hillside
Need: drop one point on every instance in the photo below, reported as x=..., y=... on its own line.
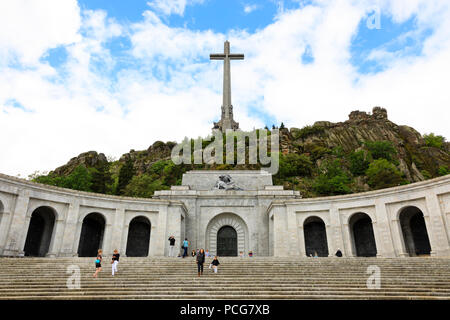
x=366, y=152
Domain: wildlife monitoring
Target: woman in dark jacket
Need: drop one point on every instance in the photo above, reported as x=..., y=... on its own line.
x=200, y=261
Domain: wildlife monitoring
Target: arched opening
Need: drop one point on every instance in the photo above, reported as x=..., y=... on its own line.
x=91, y=237
x=138, y=241
x=414, y=231
x=40, y=232
x=227, y=245
x=1, y=212
x=315, y=237
x=363, y=237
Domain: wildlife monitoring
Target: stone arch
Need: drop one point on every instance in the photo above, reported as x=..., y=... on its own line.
x=138, y=240
x=362, y=235
x=315, y=234
x=40, y=231
x=2, y=209
x=414, y=230
x=231, y=220
x=92, y=233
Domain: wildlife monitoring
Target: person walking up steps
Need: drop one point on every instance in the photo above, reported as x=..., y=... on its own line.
x=98, y=263
x=215, y=263
x=115, y=261
x=200, y=261
x=172, y=245
x=185, y=247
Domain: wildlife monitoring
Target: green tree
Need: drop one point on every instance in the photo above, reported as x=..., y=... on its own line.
x=359, y=162
x=293, y=164
x=143, y=186
x=381, y=149
x=443, y=170
x=126, y=173
x=383, y=174
x=79, y=179
x=333, y=180
x=432, y=140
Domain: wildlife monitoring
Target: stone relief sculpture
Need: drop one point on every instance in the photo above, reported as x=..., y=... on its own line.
x=225, y=182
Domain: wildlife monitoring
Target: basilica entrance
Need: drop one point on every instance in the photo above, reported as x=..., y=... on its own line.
x=315, y=237
x=363, y=236
x=227, y=242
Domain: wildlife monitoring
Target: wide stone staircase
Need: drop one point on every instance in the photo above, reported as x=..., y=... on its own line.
x=238, y=278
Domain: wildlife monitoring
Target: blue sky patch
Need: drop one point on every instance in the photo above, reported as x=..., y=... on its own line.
x=393, y=39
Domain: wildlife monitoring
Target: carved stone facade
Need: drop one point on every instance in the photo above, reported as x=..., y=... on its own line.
x=408, y=220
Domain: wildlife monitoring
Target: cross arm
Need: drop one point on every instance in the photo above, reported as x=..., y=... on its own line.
x=236, y=56
x=216, y=56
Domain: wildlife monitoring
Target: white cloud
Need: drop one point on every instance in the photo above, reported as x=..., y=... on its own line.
x=248, y=8
x=168, y=7
x=175, y=91
x=30, y=28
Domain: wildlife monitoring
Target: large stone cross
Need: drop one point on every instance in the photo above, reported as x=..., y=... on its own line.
x=226, y=121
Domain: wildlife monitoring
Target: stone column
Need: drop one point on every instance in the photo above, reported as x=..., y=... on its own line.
x=348, y=243
x=19, y=228
x=118, y=222
x=378, y=242
x=301, y=238
x=280, y=231
x=71, y=238
x=107, y=235
x=435, y=227
x=57, y=238
x=293, y=237
x=385, y=241
x=158, y=233
x=4, y=223
x=123, y=244
x=397, y=238
x=334, y=233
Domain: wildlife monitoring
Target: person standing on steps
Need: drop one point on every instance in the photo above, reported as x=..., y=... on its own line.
x=115, y=261
x=215, y=263
x=98, y=263
x=338, y=253
x=185, y=247
x=200, y=261
x=172, y=245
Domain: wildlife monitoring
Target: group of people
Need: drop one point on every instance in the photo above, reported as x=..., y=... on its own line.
x=114, y=262
x=200, y=255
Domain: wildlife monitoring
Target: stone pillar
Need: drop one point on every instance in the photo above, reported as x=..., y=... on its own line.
x=118, y=222
x=293, y=238
x=159, y=232
x=123, y=244
x=280, y=231
x=57, y=238
x=397, y=238
x=71, y=238
x=435, y=227
x=378, y=242
x=301, y=238
x=4, y=223
x=107, y=235
x=19, y=228
x=382, y=232
x=348, y=242
x=335, y=233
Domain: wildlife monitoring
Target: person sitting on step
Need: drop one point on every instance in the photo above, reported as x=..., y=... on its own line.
x=215, y=263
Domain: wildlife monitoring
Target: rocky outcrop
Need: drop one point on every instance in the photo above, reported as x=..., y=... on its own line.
x=88, y=159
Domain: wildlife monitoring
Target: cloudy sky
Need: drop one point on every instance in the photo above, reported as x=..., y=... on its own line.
x=112, y=75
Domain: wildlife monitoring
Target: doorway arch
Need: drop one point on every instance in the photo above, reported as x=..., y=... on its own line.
x=361, y=230
x=227, y=242
x=315, y=237
x=40, y=231
x=91, y=237
x=414, y=230
x=138, y=241
x=231, y=220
